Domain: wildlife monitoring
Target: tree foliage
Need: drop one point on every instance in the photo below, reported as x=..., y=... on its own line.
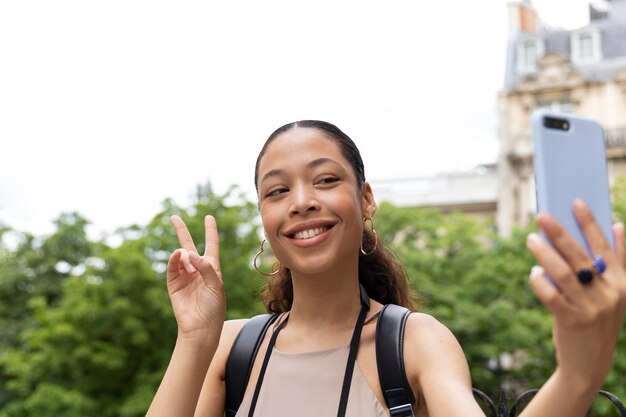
x=94, y=325
x=476, y=284
x=88, y=327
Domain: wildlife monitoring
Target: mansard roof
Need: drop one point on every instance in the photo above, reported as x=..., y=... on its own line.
x=612, y=34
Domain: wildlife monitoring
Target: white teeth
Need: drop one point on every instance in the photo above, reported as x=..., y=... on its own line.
x=308, y=234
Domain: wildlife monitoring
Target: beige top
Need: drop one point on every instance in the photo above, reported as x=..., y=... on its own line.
x=309, y=385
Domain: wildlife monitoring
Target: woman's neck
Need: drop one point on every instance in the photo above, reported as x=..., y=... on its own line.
x=328, y=299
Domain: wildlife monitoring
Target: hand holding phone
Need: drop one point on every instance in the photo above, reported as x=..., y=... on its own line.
x=570, y=163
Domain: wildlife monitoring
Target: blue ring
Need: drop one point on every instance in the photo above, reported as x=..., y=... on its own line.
x=599, y=265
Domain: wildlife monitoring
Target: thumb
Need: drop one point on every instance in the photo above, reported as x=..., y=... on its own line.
x=208, y=271
x=178, y=260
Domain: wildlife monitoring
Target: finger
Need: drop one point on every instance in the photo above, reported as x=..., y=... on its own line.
x=179, y=260
x=172, y=263
x=618, y=238
x=208, y=271
x=563, y=242
x=619, y=234
x=547, y=293
x=185, y=263
x=184, y=238
x=598, y=243
x=212, y=246
x=555, y=266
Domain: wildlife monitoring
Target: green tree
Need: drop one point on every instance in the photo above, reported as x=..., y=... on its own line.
x=88, y=327
x=476, y=284
x=100, y=347
x=35, y=267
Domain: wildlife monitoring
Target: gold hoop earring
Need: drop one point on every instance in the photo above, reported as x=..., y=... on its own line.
x=256, y=257
x=375, y=238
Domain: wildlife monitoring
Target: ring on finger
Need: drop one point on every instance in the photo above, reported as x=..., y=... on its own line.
x=586, y=275
x=599, y=265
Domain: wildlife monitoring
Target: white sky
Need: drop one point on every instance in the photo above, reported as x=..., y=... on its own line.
x=109, y=107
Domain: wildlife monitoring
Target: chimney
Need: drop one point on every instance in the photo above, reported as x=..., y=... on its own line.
x=522, y=17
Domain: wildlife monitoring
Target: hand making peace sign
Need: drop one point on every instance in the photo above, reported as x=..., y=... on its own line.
x=194, y=282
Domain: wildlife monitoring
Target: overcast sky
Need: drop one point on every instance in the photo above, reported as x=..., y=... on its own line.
x=109, y=107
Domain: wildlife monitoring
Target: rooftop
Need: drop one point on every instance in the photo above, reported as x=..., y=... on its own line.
x=605, y=37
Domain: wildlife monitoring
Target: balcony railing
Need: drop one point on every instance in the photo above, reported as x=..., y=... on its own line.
x=502, y=408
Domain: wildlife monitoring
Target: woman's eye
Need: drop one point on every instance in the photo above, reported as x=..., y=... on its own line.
x=328, y=180
x=275, y=192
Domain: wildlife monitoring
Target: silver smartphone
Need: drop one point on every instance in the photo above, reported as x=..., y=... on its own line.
x=570, y=162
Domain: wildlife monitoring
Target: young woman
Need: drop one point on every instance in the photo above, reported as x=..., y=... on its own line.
x=316, y=209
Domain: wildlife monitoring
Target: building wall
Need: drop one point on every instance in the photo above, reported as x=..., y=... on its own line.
x=594, y=89
x=505, y=192
x=471, y=192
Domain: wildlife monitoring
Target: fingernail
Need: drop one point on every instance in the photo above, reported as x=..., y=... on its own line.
x=536, y=270
x=190, y=268
x=579, y=204
x=532, y=240
x=545, y=222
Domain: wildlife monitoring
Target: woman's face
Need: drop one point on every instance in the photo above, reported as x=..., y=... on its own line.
x=311, y=207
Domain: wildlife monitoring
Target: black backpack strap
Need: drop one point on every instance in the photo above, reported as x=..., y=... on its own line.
x=241, y=359
x=390, y=362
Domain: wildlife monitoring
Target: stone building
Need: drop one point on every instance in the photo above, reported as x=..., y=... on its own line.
x=472, y=192
x=580, y=71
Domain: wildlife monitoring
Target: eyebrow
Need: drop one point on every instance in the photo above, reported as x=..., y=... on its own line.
x=313, y=164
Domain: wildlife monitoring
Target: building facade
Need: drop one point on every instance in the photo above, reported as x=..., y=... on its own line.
x=580, y=71
x=472, y=192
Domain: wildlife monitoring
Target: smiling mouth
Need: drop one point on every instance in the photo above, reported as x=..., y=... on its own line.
x=310, y=233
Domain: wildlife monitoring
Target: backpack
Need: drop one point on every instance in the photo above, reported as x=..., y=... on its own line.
x=389, y=359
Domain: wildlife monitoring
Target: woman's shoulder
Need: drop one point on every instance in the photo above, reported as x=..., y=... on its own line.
x=230, y=330
x=422, y=324
x=432, y=352
x=427, y=335
x=232, y=327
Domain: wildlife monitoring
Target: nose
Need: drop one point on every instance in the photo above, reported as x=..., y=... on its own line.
x=303, y=201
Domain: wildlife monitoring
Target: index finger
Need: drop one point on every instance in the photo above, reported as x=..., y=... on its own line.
x=184, y=238
x=212, y=245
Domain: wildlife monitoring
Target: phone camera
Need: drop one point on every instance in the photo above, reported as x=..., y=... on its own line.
x=556, y=123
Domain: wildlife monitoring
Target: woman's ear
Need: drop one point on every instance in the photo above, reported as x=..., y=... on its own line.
x=368, y=204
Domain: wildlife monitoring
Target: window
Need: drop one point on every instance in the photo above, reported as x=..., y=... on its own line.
x=557, y=106
x=586, y=47
x=528, y=51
